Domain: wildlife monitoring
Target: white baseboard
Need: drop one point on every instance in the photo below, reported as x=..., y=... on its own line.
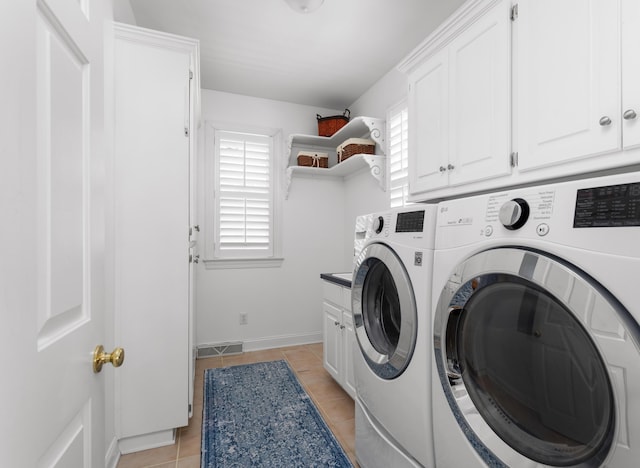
x=268, y=342
x=147, y=441
x=112, y=457
x=282, y=341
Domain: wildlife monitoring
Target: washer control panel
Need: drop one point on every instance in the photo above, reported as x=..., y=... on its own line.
x=378, y=224
x=609, y=206
x=599, y=215
x=411, y=221
x=514, y=213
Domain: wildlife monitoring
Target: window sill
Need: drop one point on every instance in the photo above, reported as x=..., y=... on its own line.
x=230, y=263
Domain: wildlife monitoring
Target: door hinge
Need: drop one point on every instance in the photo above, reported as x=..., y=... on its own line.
x=514, y=12
x=514, y=159
x=189, y=407
x=190, y=75
x=186, y=131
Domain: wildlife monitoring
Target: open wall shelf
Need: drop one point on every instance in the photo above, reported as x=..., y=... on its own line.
x=358, y=127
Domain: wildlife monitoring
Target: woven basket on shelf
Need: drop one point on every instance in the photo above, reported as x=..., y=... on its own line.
x=327, y=126
x=355, y=146
x=309, y=159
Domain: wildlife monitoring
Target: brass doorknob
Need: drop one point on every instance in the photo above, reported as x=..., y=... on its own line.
x=116, y=358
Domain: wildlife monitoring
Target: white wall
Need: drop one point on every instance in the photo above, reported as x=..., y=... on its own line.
x=122, y=12
x=283, y=303
x=363, y=195
x=389, y=90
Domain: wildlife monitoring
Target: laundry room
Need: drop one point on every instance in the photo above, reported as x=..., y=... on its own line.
x=321, y=233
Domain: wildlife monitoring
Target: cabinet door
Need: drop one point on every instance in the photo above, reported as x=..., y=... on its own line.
x=630, y=73
x=349, y=347
x=332, y=339
x=568, y=80
x=428, y=125
x=480, y=99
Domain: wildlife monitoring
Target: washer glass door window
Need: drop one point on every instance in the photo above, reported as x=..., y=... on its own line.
x=384, y=310
x=511, y=338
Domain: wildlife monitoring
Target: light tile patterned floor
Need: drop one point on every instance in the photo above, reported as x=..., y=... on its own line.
x=336, y=407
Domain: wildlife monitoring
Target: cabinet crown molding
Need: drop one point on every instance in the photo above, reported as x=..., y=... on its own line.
x=460, y=20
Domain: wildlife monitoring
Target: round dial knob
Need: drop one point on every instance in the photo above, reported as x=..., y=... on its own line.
x=514, y=213
x=378, y=224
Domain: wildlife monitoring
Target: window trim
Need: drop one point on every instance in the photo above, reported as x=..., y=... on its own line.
x=211, y=261
x=403, y=105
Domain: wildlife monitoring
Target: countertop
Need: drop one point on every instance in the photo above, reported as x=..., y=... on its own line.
x=342, y=279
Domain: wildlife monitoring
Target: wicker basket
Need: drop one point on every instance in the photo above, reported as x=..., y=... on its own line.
x=309, y=159
x=355, y=146
x=327, y=126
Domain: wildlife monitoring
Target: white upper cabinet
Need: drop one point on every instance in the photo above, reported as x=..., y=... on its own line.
x=460, y=101
x=428, y=124
x=578, y=82
x=480, y=99
x=630, y=12
x=512, y=92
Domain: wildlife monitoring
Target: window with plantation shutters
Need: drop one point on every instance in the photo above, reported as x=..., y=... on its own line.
x=244, y=195
x=397, y=136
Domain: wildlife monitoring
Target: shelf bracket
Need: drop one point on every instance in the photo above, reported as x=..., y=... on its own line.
x=376, y=166
x=376, y=129
x=287, y=182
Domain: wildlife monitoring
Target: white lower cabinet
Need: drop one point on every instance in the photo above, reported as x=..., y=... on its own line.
x=339, y=336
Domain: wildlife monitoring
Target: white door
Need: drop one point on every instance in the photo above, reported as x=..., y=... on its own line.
x=480, y=99
x=428, y=125
x=52, y=242
x=568, y=89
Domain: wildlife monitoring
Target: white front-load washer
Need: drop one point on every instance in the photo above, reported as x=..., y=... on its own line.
x=536, y=337
x=391, y=290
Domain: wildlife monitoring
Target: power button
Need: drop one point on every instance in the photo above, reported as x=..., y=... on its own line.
x=542, y=229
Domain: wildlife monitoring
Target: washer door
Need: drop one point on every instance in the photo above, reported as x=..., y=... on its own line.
x=531, y=344
x=384, y=311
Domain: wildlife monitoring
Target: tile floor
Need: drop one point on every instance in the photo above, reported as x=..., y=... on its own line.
x=335, y=405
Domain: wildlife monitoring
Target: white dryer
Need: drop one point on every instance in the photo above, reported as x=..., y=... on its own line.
x=536, y=335
x=390, y=302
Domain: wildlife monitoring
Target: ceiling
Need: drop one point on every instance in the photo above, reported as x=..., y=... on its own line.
x=327, y=58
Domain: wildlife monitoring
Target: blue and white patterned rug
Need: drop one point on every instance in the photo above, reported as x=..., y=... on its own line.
x=259, y=415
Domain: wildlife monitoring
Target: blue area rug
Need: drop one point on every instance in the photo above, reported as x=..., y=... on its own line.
x=259, y=415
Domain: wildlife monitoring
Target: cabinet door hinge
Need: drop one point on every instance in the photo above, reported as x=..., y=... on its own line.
x=514, y=12
x=514, y=159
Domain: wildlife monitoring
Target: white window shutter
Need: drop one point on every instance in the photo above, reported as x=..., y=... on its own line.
x=397, y=135
x=244, y=195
